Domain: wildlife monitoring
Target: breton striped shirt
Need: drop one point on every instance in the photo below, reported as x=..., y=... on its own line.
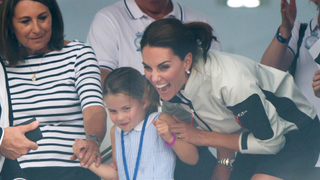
x=67, y=82
x=157, y=160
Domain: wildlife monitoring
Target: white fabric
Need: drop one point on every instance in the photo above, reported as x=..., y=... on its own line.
x=116, y=31
x=306, y=66
x=227, y=81
x=4, y=116
x=157, y=160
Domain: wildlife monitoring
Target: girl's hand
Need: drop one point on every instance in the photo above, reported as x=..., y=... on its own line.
x=288, y=14
x=163, y=130
x=79, y=144
x=316, y=84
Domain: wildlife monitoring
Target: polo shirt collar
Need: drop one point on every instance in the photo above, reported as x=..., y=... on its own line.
x=136, y=13
x=138, y=127
x=314, y=24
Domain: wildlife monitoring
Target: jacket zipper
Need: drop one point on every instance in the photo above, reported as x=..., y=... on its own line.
x=192, y=111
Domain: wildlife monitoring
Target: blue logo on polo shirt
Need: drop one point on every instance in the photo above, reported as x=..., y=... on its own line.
x=137, y=40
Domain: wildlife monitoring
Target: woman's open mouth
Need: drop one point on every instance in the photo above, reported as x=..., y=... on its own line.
x=163, y=88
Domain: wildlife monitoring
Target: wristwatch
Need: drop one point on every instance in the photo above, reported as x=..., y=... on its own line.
x=227, y=162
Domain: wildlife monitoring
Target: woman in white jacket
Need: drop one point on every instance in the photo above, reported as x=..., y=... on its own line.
x=242, y=106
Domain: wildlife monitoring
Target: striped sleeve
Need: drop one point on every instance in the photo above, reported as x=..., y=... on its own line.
x=87, y=74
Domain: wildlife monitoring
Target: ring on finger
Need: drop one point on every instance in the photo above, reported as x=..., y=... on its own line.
x=96, y=153
x=179, y=137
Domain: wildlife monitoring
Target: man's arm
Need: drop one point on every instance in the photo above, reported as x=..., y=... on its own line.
x=277, y=54
x=104, y=73
x=102, y=37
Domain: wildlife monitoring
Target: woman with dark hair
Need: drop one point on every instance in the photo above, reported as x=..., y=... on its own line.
x=58, y=83
x=242, y=106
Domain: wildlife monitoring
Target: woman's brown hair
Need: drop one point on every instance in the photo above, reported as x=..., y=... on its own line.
x=10, y=50
x=181, y=38
x=194, y=37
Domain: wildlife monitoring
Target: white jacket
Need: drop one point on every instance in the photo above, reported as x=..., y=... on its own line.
x=233, y=94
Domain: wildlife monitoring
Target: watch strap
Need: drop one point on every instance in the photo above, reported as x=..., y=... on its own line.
x=281, y=39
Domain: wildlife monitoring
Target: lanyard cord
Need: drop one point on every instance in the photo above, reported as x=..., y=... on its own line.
x=139, y=151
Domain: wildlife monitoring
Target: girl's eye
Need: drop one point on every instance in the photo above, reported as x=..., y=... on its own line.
x=127, y=108
x=112, y=111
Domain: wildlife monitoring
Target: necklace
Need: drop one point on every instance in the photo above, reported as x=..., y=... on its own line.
x=34, y=77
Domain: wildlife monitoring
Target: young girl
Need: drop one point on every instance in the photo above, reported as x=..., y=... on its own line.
x=140, y=150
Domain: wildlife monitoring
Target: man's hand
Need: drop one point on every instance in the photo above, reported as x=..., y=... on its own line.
x=14, y=142
x=288, y=14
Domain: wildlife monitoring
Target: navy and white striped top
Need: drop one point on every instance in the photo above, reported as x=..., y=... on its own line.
x=157, y=161
x=67, y=82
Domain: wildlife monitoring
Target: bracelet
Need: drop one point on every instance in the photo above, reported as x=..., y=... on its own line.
x=281, y=39
x=227, y=162
x=174, y=139
x=94, y=137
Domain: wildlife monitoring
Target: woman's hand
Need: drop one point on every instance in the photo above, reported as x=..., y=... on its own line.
x=87, y=151
x=316, y=84
x=163, y=130
x=189, y=134
x=288, y=14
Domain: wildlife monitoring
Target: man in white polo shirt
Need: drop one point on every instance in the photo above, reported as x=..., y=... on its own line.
x=116, y=30
x=115, y=35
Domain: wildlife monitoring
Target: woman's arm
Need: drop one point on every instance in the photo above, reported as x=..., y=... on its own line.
x=94, y=121
x=199, y=137
x=222, y=172
x=87, y=84
x=187, y=152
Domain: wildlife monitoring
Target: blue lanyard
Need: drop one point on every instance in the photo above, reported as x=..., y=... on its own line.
x=139, y=151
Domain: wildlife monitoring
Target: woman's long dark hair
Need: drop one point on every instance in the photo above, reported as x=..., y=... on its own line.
x=181, y=38
x=10, y=50
x=193, y=37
